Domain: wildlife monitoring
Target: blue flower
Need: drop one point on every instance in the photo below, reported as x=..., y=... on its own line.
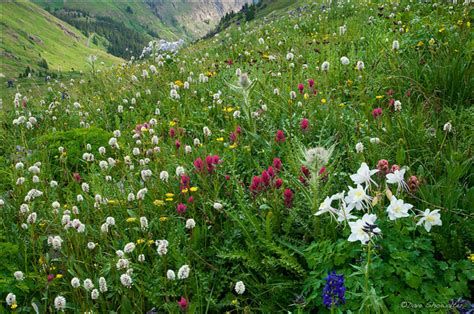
x=334, y=290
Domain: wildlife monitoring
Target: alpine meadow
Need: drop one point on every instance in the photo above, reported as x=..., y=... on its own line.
x=303, y=157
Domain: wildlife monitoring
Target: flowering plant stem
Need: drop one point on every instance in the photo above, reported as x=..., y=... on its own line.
x=367, y=266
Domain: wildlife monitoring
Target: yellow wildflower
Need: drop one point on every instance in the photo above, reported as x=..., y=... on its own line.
x=150, y=242
x=169, y=195
x=305, y=96
x=233, y=146
x=194, y=189
x=59, y=276
x=234, y=302
x=471, y=257
x=378, y=97
x=112, y=202
x=14, y=306
x=184, y=191
x=179, y=83
x=432, y=42
x=220, y=139
x=323, y=101
x=420, y=44
x=140, y=241
x=131, y=219
x=163, y=218
x=158, y=202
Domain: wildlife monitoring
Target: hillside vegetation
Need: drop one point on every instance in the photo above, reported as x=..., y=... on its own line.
x=31, y=37
x=314, y=160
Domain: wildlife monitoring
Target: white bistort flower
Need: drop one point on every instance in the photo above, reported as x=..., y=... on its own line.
x=239, y=287
x=170, y=275
x=19, y=275
x=60, y=303
x=75, y=282
x=183, y=272
x=126, y=280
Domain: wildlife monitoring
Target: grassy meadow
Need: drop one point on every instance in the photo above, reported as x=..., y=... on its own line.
x=315, y=160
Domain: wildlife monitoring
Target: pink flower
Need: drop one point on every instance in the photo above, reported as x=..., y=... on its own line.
x=280, y=136
x=288, y=196
x=394, y=167
x=278, y=183
x=277, y=163
x=301, y=88
x=50, y=277
x=265, y=178
x=311, y=83
x=183, y=303
x=383, y=166
x=172, y=132
x=177, y=144
x=181, y=208
x=184, y=182
x=255, y=186
x=199, y=164
x=270, y=171
x=76, y=176
x=304, y=124
x=413, y=184
x=190, y=199
x=376, y=112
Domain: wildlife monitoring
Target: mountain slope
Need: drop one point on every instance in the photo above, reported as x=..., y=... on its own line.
x=29, y=34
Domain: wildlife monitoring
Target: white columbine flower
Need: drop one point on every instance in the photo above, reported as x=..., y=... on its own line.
x=397, y=177
x=363, y=229
x=357, y=198
x=430, y=218
x=363, y=175
x=359, y=147
x=397, y=208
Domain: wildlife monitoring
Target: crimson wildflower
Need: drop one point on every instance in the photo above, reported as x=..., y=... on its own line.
x=301, y=88
x=277, y=163
x=304, y=124
x=172, y=132
x=183, y=303
x=280, y=136
x=311, y=83
x=376, y=112
x=181, y=208
x=288, y=196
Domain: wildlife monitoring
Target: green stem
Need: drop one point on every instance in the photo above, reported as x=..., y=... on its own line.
x=369, y=246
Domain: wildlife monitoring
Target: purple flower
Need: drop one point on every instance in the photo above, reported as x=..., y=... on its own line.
x=334, y=290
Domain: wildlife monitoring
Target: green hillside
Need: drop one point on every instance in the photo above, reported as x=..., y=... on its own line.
x=29, y=34
x=136, y=15
x=318, y=159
